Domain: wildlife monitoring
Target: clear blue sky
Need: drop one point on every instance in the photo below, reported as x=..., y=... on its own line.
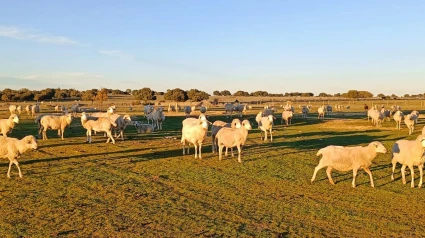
x=277, y=46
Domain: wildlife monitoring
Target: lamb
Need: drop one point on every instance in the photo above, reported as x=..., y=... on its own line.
x=194, y=132
x=304, y=111
x=398, y=117
x=121, y=121
x=34, y=110
x=143, y=128
x=229, y=137
x=7, y=125
x=55, y=123
x=12, y=148
x=266, y=124
x=28, y=109
x=410, y=120
x=187, y=110
x=12, y=109
x=108, y=113
x=348, y=158
x=409, y=153
x=19, y=109
x=321, y=112
x=99, y=124
x=287, y=116
x=218, y=125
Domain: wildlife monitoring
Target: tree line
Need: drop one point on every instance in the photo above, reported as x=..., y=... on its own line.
x=177, y=94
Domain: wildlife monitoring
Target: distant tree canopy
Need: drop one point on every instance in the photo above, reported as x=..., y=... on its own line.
x=176, y=95
x=197, y=95
x=324, y=95
x=259, y=93
x=144, y=94
x=241, y=93
x=357, y=94
x=216, y=93
x=225, y=93
x=89, y=95
x=295, y=94
x=102, y=95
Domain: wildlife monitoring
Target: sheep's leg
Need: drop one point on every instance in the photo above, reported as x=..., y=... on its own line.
x=226, y=154
x=318, y=167
x=196, y=150
x=213, y=144
x=17, y=165
x=329, y=173
x=233, y=154
x=394, y=162
x=271, y=135
x=109, y=134
x=10, y=167
x=184, y=144
x=354, y=177
x=265, y=135
x=370, y=176
x=412, y=173
x=44, y=134
x=200, y=150
x=421, y=173
x=220, y=152
x=89, y=136
x=239, y=153
x=403, y=177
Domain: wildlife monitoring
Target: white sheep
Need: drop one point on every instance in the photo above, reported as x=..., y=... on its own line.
x=12, y=148
x=348, y=158
x=187, y=110
x=230, y=137
x=55, y=123
x=12, y=109
x=98, y=124
x=194, y=132
x=321, y=112
x=19, y=109
x=28, y=110
x=218, y=125
x=266, y=124
x=143, y=128
x=410, y=120
x=409, y=153
x=7, y=125
x=158, y=117
x=110, y=111
x=121, y=121
x=377, y=117
x=287, y=116
x=416, y=113
x=398, y=118
x=34, y=110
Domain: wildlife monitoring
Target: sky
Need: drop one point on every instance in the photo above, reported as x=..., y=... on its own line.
x=276, y=46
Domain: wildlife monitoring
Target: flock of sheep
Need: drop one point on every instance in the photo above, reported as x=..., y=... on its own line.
x=229, y=135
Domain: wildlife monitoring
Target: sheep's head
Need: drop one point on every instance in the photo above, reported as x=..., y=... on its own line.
x=421, y=139
x=83, y=116
x=31, y=142
x=110, y=110
x=14, y=118
x=236, y=123
x=247, y=125
x=127, y=118
x=271, y=118
x=204, y=124
x=69, y=118
x=379, y=147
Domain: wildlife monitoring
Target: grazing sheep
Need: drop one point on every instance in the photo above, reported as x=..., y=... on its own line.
x=304, y=111
x=7, y=125
x=348, y=158
x=187, y=110
x=287, y=116
x=409, y=153
x=230, y=137
x=229, y=108
x=35, y=109
x=19, y=109
x=98, y=124
x=194, y=132
x=54, y=123
x=12, y=109
x=218, y=125
x=266, y=124
x=122, y=121
x=321, y=112
x=12, y=148
x=410, y=120
x=28, y=110
x=110, y=111
x=398, y=117
x=143, y=128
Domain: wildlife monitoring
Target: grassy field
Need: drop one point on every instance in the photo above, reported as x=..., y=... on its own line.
x=144, y=186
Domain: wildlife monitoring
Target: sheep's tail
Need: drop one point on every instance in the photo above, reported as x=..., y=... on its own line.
x=320, y=152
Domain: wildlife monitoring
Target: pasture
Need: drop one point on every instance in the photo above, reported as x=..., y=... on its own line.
x=144, y=186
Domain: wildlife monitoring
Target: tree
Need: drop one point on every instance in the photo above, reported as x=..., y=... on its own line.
x=88, y=95
x=144, y=94
x=380, y=95
x=406, y=95
x=176, y=95
x=225, y=93
x=216, y=93
x=197, y=95
x=128, y=91
x=241, y=93
x=102, y=96
x=323, y=95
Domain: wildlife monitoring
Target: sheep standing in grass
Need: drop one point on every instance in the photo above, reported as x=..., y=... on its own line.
x=34, y=110
x=304, y=111
x=98, y=124
x=321, y=112
x=7, y=125
x=218, y=125
x=287, y=116
x=398, y=118
x=28, y=110
x=266, y=124
x=409, y=153
x=229, y=138
x=348, y=158
x=54, y=123
x=377, y=117
x=386, y=113
x=121, y=121
x=229, y=108
x=12, y=109
x=410, y=120
x=110, y=111
x=12, y=148
x=194, y=132
x=143, y=128
x=416, y=116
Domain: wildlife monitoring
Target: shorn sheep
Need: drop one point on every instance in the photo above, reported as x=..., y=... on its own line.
x=409, y=153
x=7, y=125
x=194, y=132
x=54, y=123
x=410, y=121
x=348, y=158
x=121, y=121
x=229, y=138
x=266, y=125
x=287, y=117
x=12, y=148
x=98, y=124
x=398, y=118
x=218, y=125
x=321, y=112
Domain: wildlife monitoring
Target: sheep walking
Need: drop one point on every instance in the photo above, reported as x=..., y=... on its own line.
x=98, y=124
x=398, y=118
x=54, y=123
x=7, y=125
x=410, y=121
x=12, y=148
x=409, y=153
x=348, y=158
x=266, y=125
x=287, y=117
x=233, y=137
x=194, y=132
x=321, y=112
x=121, y=121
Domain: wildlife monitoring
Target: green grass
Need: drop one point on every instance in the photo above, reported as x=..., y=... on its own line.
x=144, y=186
